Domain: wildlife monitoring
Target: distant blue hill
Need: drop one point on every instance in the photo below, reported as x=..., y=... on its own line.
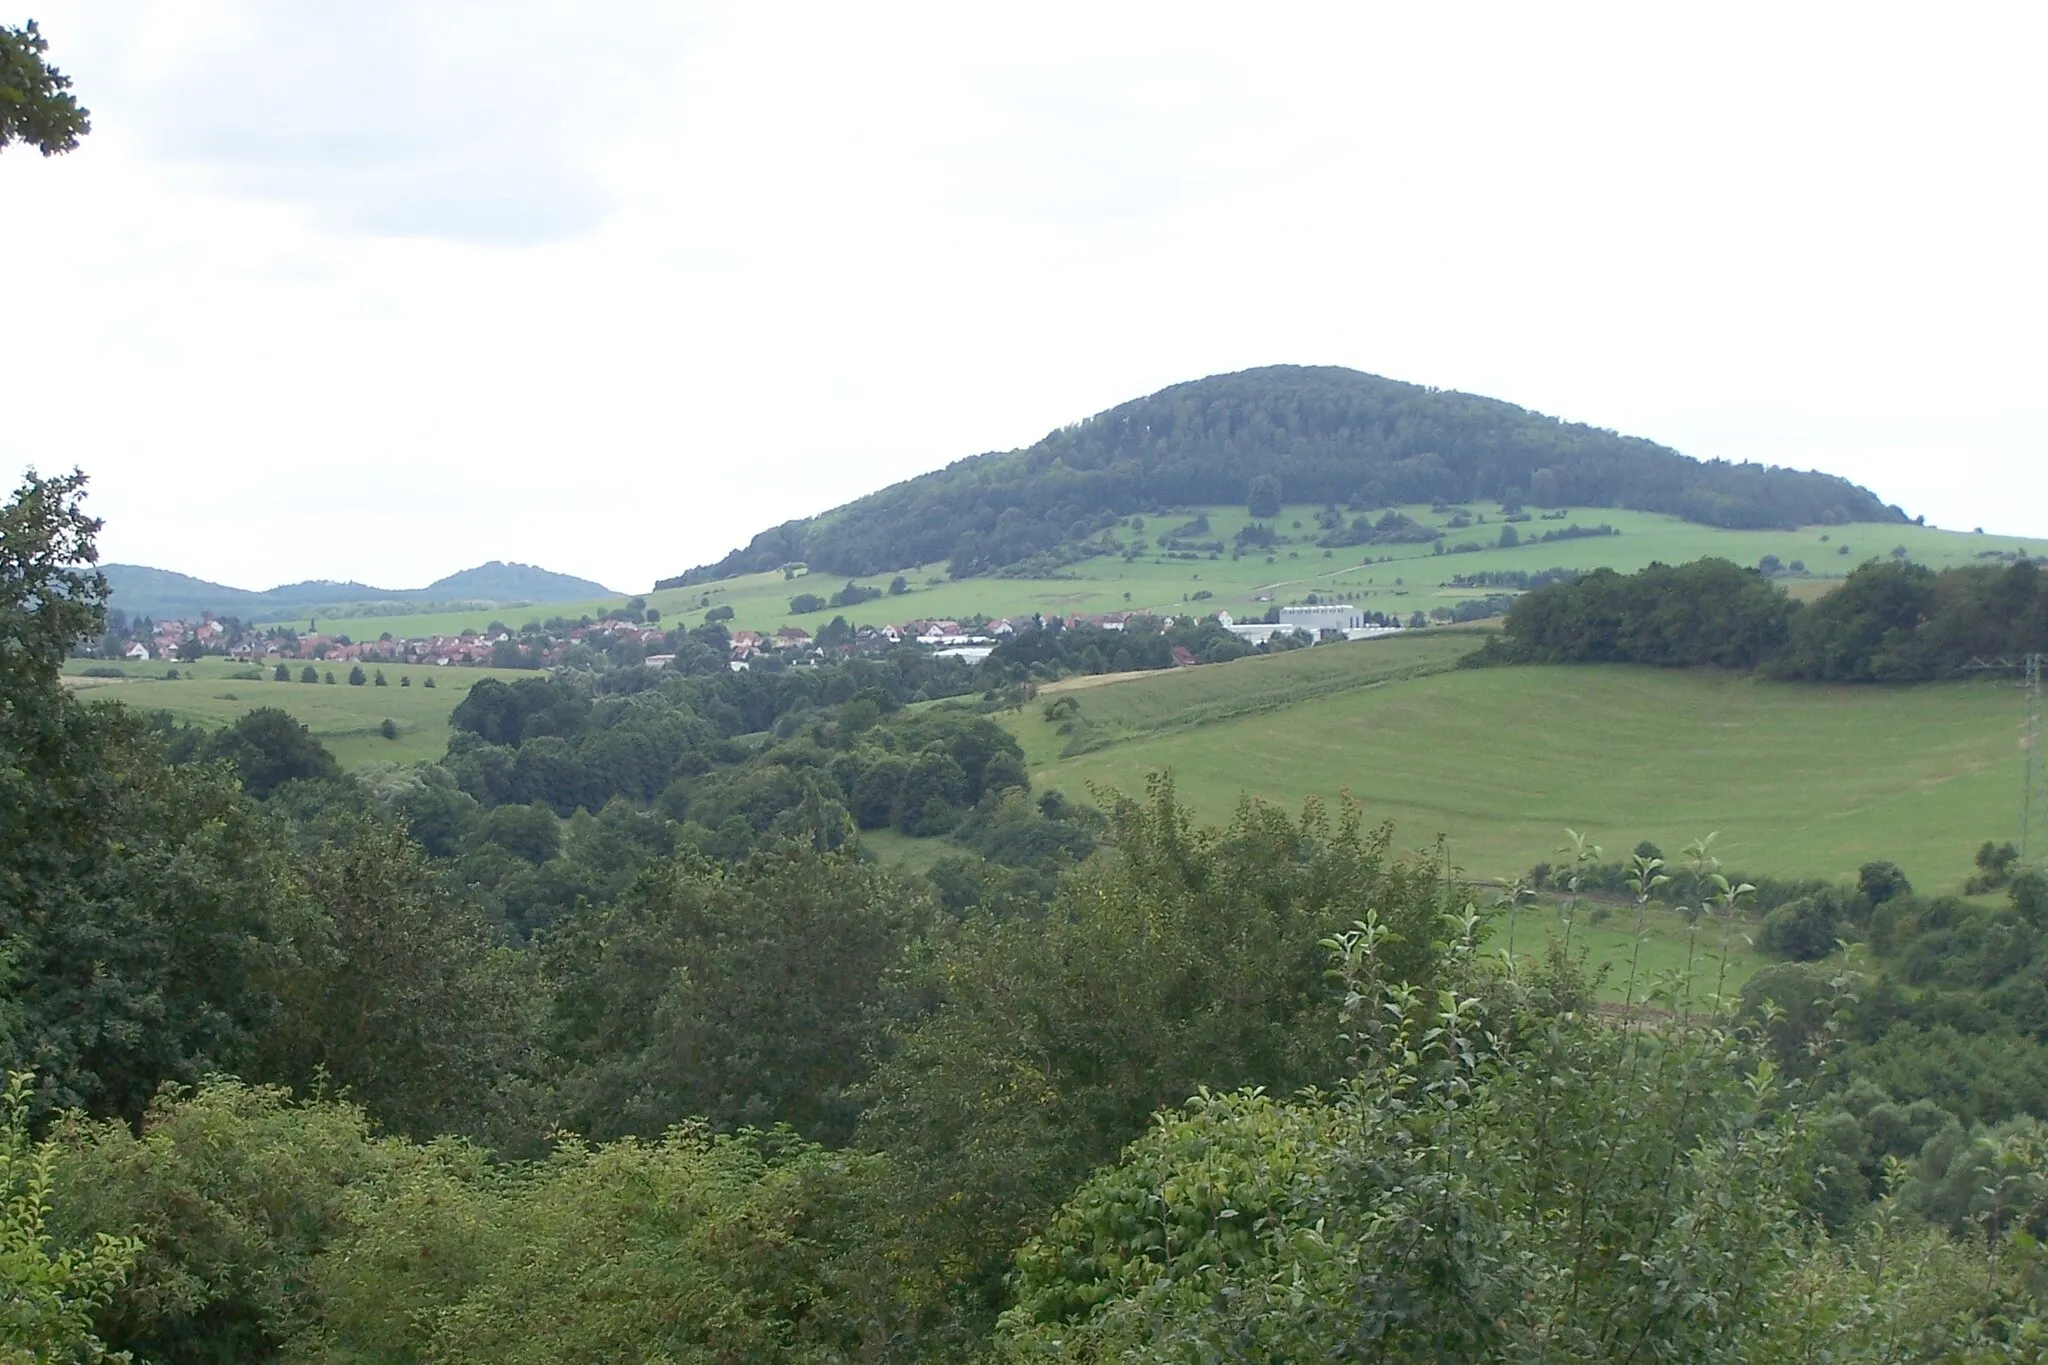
x=164, y=595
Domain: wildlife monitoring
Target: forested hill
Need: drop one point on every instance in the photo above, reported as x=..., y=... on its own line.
x=1328, y=435
x=499, y=581
x=162, y=594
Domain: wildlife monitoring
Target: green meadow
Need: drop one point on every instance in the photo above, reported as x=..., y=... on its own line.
x=1799, y=779
x=348, y=720
x=1384, y=578
x=1183, y=699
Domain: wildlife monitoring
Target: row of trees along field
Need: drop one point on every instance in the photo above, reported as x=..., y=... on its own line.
x=1319, y=435
x=405, y=1065
x=1890, y=621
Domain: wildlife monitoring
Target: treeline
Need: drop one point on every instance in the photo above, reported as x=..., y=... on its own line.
x=1520, y=579
x=1144, y=643
x=1890, y=621
x=1323, y=435
x=303, y=1082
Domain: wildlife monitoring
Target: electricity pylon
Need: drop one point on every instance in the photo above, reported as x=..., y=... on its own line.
x=2033, y=755
x=2034, y=799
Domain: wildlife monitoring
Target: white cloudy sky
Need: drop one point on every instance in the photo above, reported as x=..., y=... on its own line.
x=385, y=289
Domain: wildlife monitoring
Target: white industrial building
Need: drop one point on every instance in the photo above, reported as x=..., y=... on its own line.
x=1328, y=616
x=1339, y=617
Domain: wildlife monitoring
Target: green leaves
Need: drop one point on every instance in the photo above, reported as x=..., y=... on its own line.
x=1576, y=1196
x=36, y=103
x=281, y=1231
x=1192, y=957
x=48, y=1295
x=753, y=995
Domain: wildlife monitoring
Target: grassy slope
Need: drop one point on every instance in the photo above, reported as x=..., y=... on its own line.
x=1800, y=779
x=761, y=601
x=1144, y=704
x=346, y=719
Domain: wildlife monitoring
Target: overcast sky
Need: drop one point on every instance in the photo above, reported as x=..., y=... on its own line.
x=383, y=290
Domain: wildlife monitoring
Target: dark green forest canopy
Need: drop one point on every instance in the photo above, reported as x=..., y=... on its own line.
x=1328, y=435
x=1890, y=621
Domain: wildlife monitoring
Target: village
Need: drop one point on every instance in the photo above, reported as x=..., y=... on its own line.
x=628, y=638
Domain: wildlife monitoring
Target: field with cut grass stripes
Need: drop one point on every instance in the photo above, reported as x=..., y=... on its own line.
x=1800, y=779
x=1151, y=704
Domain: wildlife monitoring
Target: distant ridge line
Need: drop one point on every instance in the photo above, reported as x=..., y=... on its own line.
x=140, y=590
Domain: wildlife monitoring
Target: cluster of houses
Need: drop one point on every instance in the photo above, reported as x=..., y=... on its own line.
x=497, y=645
x=164, y=639
x=209, y=635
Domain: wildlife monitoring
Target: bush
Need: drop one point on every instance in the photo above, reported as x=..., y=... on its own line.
x=1803, y=931
x=1488, y=1186
x=47, y=1313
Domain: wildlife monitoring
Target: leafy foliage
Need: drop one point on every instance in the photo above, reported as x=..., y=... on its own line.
x=47, y=1297
x=1191, y=958
x=744, y=997
x=36, y=103
x=1591, y=1194
x=1890, y=621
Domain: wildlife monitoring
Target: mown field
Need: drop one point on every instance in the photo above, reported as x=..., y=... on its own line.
x=346, y=719
x=1799, y=779
x=1113, y=713
x=1386, y=578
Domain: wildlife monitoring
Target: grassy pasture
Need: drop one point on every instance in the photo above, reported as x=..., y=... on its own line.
x=1385, y=578
x=1800, y=779
x=1150, y=704
x=346, y=719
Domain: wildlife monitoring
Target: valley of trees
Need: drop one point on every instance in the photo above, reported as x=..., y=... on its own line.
x=1308, y=434
x=1890, y=621
x=604, y=1038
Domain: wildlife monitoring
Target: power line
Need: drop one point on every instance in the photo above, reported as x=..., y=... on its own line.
x=2034, y=798
x=2033, y=753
